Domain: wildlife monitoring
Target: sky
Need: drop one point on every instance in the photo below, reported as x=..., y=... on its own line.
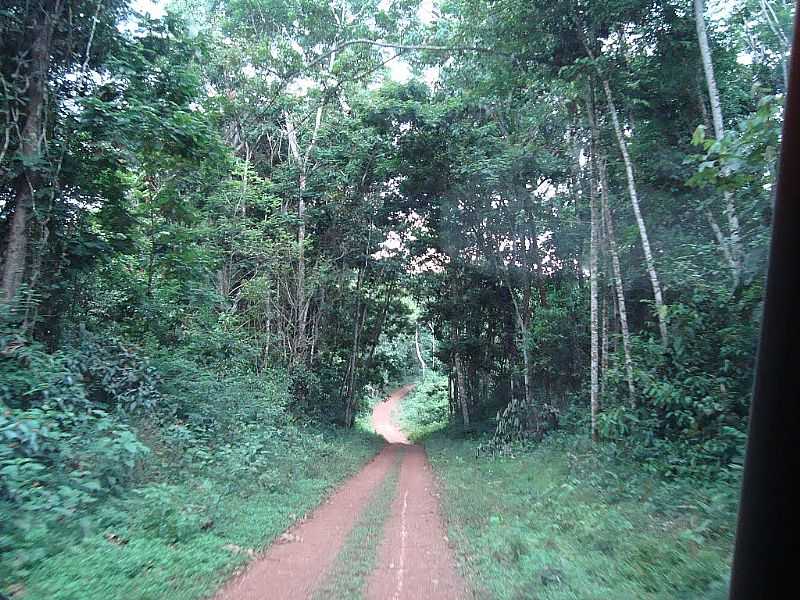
x=154, y=7
x=399, y=70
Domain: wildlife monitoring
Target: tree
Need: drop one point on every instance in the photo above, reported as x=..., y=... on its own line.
x=731, y=247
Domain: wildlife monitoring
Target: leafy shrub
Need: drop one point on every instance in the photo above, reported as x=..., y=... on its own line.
x=426, y=407
x=692, y=404
x=55, y=464
x=59, y=450
x=115, y=374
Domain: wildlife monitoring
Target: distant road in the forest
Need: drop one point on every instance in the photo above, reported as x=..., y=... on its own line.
x=387, y=516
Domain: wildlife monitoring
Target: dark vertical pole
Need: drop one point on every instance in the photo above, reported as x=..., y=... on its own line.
x=767, y=551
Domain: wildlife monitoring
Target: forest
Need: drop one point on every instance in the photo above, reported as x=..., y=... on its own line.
x=229, y=228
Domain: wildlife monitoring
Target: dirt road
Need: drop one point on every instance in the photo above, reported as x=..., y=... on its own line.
x=414, y=561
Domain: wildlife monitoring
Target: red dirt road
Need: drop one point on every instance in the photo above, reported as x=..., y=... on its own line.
x=414, y=561
x=382, y=421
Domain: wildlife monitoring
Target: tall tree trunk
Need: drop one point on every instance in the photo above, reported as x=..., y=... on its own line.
x=300, y=346
x=593, y=267
x=527, y=254
x=603, y=338
x=618, y=285
x=451, y=401
x=433, y=346
x=419, y=352
x=303, y=299
x=350, y=376
x=523, y=315
x=30, y=181
x=734, y=241
x=648, y=254
x=532, y=252
x=349, y=382
x=528, y=374
x=462, y=390
x=708, y=67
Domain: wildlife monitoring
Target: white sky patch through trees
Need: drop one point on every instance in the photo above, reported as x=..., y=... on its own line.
x=399, y=70
x=154, y=8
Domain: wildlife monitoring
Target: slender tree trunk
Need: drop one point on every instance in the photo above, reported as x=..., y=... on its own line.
x=708, y=67
x=603, y=340
x=648, y=254
x=527, y=254
x=349, y=382
x=618, y=285
x=300, y=346
x=433, y=346
x=593, y=267
x=734, y=255
x=419, y=353
x=724, y=244
x=528, y=373
x=712, y=221
x=451, y=401
x=29, y=181
x=523, y=319
x=303, y=299
x=532, y=253
x=350, y=378
x=462, y=391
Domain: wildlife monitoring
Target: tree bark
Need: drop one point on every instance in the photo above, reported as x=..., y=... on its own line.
x=31, y=136
x=350, y=376
x=303, y=299
x=648, y=254
x=593, y=267
x=462, y=391
x=618, y=285
x=419, y=352
x=734, y=254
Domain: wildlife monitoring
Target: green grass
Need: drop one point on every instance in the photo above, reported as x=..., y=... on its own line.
x=181, y=540
x=563, y=520
x=358, y=556
x=424, y=410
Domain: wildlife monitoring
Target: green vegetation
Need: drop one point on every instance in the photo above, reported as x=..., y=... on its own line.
x=225, y=228
x=566, y=519
x=186, y=537
x=425, y=409
x=214, y=487
x=563, y=520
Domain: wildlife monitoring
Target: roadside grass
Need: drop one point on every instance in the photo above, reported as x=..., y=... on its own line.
x=566, y=520
x=358, y=557
x=424, y=409
x=182, y=539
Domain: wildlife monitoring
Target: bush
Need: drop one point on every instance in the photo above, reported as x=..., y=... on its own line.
x=426, y=408
x=115, y=374
x=692, y=401
x=61, y=450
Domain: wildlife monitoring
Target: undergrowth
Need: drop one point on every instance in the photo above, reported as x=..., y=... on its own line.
x=563, y=520
x=424, y=410
x=99, y=501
